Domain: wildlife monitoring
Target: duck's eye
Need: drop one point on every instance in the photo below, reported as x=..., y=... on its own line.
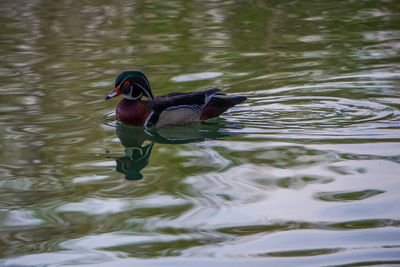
x=127, y=83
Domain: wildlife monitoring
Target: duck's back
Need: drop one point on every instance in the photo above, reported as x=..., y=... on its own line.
x=179, y=108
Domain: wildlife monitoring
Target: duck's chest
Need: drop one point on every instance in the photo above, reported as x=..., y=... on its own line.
x=132, y=112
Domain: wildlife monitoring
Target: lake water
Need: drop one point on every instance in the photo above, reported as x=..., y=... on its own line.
x=306, y=172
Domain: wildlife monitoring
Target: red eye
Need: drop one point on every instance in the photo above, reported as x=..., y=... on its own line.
x=127, y=83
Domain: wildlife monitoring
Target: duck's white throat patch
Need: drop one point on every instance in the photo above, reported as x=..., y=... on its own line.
x=130, y=97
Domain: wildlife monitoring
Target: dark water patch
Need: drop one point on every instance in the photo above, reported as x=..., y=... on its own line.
x=165, y=248
x=32, y=240
x=257, y=229
x=300, y=182
x=297, y=182
x=250, y=230
x=347, y=196
x=157, y=249
x=363, y=224
x=371, y=263
x=301, y=253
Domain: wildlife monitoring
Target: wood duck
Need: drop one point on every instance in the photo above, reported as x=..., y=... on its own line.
x=169, y=109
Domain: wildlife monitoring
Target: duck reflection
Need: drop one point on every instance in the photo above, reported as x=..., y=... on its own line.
x=139, y=142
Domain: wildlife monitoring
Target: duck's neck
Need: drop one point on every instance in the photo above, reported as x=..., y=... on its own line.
x=131, y=98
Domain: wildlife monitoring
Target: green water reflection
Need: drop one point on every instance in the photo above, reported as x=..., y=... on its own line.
x=139, y=142
x=305, y=172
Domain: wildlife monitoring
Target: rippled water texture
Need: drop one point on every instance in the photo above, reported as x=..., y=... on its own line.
x=304, y=173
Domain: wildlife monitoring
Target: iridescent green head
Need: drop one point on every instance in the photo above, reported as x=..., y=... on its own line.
x=133, y=85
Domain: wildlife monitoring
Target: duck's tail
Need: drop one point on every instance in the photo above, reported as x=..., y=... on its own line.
x=220, y=103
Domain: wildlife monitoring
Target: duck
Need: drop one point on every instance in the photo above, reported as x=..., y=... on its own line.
x=139, y=107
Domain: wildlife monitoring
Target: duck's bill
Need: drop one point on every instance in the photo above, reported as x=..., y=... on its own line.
x=114, y=93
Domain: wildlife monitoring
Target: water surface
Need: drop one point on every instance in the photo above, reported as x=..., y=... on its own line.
x=305, y=172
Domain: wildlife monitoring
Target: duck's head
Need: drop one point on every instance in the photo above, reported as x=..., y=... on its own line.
x=133, y=85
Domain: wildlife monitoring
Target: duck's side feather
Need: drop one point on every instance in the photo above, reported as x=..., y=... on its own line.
x=178, y=108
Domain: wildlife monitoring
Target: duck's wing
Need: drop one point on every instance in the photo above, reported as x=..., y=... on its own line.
x=177, y=108
x=219, y=104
